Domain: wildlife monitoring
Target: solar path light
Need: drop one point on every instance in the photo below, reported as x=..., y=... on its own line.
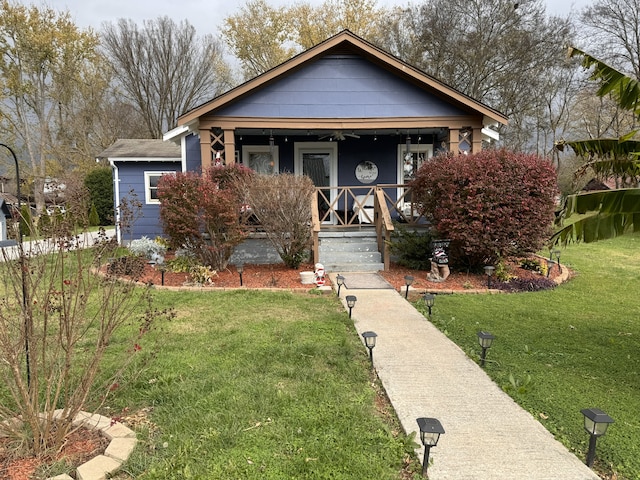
x=351, y=301
x=340, y=282
x=486, y=340
x=370, y=342
x=429, y=300
x=488, y=271
x=408, y=280
x=240, y=270
x=596, y=423
x=556, y=253
x=430, y=431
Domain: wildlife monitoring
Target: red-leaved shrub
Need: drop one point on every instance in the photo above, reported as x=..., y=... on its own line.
x=202, y=213
x=493, y=204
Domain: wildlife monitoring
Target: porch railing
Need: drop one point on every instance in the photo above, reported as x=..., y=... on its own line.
x=358, y=207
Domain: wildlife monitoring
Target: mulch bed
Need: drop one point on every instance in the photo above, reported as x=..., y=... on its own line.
x=278, y=276
x=80, y=446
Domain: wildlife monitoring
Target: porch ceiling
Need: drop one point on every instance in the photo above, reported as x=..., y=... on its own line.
x=322, y=132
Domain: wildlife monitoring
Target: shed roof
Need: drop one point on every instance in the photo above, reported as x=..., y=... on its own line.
x=142, y=148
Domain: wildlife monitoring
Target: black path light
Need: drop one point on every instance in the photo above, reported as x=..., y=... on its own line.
x=429, y=300
x=430, y=431
x=240, y=270
x=162, y=269
x=351, y=302
x=408, y=280
x=339, y=282
x=488, y=271
x=556, y=253
x=596, y=423
x=370, y=342
x=486, y=340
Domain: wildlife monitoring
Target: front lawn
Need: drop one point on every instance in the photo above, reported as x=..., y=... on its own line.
x=563, y=350
x=259, y=385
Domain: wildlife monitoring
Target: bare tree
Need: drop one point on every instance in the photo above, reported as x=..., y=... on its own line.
x=45, y=63
x=612, y=28
x=494, y=51
x=60, y=320
x=164, y=68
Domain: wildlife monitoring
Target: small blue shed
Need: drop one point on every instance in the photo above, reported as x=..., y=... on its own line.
x=137, y=166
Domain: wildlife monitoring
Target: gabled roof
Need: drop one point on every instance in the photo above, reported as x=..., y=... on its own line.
x=345, y=42
x=142, y=148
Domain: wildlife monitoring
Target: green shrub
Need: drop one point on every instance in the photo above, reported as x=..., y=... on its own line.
x=202, y=274
x=413, y=248
x=99, y=182
x=535, y=265
x=94, y=219
x=492, y=204
x=26, y=221
x=147, y=248
x=182, y=262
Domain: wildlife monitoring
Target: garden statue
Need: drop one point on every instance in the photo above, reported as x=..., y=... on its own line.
x=318, y=275
x=439, y=262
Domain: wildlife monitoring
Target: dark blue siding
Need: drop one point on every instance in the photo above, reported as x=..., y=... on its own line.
x=131, y=175
x=342, y=87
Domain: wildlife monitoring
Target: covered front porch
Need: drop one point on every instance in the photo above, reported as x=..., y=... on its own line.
x=361, y=212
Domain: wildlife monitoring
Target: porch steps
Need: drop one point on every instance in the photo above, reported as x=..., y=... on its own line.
x=350, y=251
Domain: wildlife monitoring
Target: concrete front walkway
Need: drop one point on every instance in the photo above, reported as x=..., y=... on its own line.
x=488, y=436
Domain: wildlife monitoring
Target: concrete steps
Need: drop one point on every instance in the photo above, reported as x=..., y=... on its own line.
x=350, y=251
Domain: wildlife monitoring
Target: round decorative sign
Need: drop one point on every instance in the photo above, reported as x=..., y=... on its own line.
x=366, y=172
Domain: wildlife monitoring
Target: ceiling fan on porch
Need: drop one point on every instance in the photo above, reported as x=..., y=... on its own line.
x=338, y=135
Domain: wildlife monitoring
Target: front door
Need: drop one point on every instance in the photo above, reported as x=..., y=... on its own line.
x=319, y=161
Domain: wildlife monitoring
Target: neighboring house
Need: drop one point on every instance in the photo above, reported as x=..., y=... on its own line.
x=7, y=202
x=344, y=112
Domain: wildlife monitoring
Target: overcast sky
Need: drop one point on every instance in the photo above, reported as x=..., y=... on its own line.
x=205, y=15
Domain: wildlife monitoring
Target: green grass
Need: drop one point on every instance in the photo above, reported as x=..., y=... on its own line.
x=260, y=385
x=271, y=385
x=574, y=347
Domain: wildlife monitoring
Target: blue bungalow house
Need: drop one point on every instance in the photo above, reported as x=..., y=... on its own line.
x=354, y=118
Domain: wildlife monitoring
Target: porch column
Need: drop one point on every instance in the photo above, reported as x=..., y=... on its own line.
x=476, y=140
x=205, y=149
x=454, y=138
x=229, y=147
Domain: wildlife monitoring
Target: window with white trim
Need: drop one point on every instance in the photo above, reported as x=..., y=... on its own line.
x=261, y=158
x=151, y=180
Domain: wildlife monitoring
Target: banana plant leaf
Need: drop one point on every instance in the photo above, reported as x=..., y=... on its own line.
x=618, y=157
x=625, y=90
x=618, y=213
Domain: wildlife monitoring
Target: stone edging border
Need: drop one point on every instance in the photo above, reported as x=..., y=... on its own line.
x=122, y=442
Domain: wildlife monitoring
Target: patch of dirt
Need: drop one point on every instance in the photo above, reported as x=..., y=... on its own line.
x=81, y=446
